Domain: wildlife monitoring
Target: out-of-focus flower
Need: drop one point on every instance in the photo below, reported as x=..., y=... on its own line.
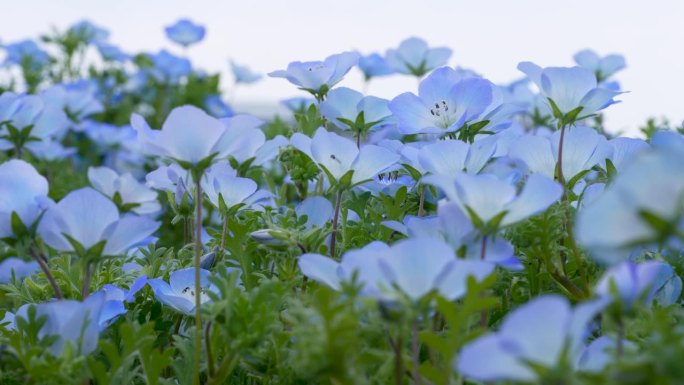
x=124, y=190
x=243, y=74
x=185, y=32
x=16, y=267
x=23, y=191
x=179, y=292
x=603, y=67
x=414, y=57
x=374, y=65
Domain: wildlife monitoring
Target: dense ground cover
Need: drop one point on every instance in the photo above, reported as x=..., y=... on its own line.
x=465, y=233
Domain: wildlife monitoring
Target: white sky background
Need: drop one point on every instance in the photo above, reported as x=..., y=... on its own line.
x=490, y=37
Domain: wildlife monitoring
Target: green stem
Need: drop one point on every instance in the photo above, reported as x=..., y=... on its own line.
x=44, y=267
x=336, y=216
x=415, y=353
x=421, y=202
x=198, y=287
x=210, y=356
x=559, y=163
x=85, y=291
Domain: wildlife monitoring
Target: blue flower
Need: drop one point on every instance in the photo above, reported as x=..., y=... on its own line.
x=90, y=32
x=70, y=322
x=298, y=104
x=26, y=53
x=78, y=99
x=16, y=267
x=647, y=281
x=374, y=65
x=414, y=57
x=22, y=191
x=243, y=74
x=603, y=67
x=568, y=89
x=85, y=218
x=188, y=135
x=343, y=107
x=217, y=108
x=124, y=190
x=179, y=292
x=337, y=156
x=484, y=197
x=169, y=67
x=185, y=32
x=111, y=52
x=646, y=194
x=318, y=211
x=445, y=102
x=416, y=266
x=318, y=77
x=539, y=333
x=584, y=149
x=115, y=298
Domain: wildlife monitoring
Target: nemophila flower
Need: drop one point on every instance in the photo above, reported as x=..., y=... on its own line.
x=243, y=74
x=414, y=57
x=318, y=211
x=217, y=108
x=27, y=118
x=350, y=110
x=243, y=138
x=602, y=67
x=188, y=136
x=78, y=100
x=600, y=353
x=318, y=77
x=572, y=92
x=491, y=203
x=115, y=299
x=630, y=282
x=584, y=148
x=185, y=32
x=374, y=65
x=338, y=156
x=416, y=266
x=110, y=52
x=16, y=267
x=86, y=221
x=450, y=157
x=179, y=292
x=90, y=32
x=445, y=102
x=540, y=334
x=124, y=190
x=668, y=140
x=169, y=67
x=26, y=53
x=229, y=192
x=642, y=206
x=23, y=194
x=624, y=149
x=70, y=322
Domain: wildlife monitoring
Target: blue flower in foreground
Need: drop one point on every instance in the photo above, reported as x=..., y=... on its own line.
x=647, y=281
x=642, y=206
x=445, y=102
x=486, y=198
x=318, y=77
x=188, y=135
x=16, y=267
x=539, y=333
x=603, y=67
x=85, y=218
x=343, y=108
x=417, y=266
x=185, y=32
x=449, y=157
x=179, y=292
x=26, y=53
x=584, y=149
x=22, y=191
x=374, y=65
x=243, y=74
x=70, y=322
x=568, y=89
x=414, y=57
x=338, y=156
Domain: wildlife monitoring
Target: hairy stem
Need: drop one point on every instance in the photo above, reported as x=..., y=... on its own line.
x=559, y=163
x=421, y=202
x=198, y=287
x=336, y=217
x=85, y=291
x=44, y=268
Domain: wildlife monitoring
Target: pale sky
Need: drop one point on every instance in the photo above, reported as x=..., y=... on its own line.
x=490, y=37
